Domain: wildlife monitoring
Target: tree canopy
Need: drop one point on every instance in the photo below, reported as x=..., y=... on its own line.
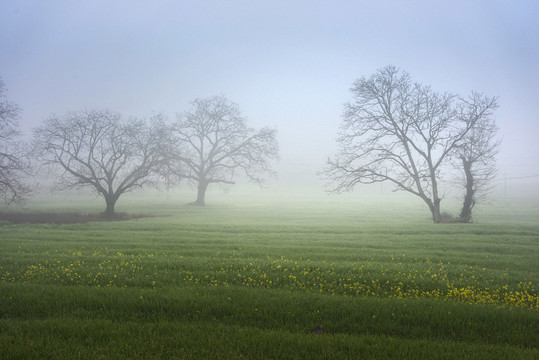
x=403, y=132
x=15, y=165
x=213, y=144
x=475, y=160
x=95, y=149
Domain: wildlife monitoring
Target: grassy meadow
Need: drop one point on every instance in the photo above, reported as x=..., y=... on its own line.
x=271, y=280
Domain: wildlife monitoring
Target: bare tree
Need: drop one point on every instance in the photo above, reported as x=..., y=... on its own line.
x=476, y=160
x=15, y=164
x=213, y=143
x=402, y=132
x=95, y=149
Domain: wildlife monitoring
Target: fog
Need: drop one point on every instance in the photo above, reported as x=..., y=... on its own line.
x=287, y=64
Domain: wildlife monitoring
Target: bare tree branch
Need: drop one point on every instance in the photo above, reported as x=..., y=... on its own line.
x=475, y=157
x=15, y=164
x=402, y=132
x=95, y=149
x=213, y=143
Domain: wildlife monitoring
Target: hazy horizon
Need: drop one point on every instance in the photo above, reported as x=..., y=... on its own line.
x=288, y=65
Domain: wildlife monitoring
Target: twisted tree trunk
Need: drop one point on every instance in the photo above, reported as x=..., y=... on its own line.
x=110, y=200
x=201, y=194
x=469, y=201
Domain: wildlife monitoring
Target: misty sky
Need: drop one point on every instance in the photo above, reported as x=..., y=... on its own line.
x=288, y=64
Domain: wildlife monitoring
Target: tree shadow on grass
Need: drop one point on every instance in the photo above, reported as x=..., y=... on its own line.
x=63, y=218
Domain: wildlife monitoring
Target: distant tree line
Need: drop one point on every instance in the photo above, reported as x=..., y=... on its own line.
x=97, y=149
x=394, y=130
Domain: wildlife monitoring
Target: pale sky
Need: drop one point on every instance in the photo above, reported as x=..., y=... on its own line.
x=288, y=64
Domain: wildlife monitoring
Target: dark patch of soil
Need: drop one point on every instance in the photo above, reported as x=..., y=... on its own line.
x=62, y=218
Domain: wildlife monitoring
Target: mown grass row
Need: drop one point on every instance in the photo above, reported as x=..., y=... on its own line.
x=274, y=309
x=176, y=340
x=201, y=314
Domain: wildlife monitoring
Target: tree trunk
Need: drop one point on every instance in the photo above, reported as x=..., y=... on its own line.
x=435, y=209
x=469, y=202
x=111, y=201
x=201, y=195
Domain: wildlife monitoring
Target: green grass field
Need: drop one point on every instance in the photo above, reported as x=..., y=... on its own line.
x=241, y=279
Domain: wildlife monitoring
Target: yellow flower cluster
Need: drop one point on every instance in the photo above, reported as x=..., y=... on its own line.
x=100, y=269
x=421, y=280
x=399, y=277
